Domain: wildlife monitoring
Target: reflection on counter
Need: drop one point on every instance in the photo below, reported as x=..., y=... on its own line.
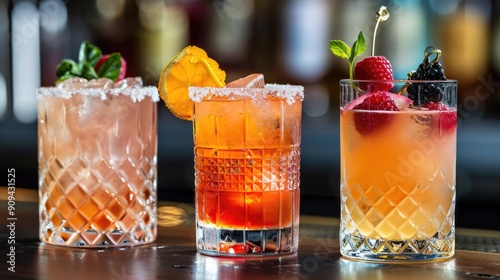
x=144, y=265
x=170, y=216
x=372, y=271
x=206, y=267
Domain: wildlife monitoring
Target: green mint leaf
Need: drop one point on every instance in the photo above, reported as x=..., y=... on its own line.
x=88, y=71
x=358, y=47
x=340, y=49
x=111, y=67
x=66, y=66
x=89, y=53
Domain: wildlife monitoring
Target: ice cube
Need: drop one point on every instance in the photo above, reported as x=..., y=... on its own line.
x=102, y=83
x=134, y=82
x=251, y=81
x=73, y=83
x=94, y=112
x=423, y=126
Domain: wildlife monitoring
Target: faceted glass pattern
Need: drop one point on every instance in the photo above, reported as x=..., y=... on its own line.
x=97, y=170
x=247, y=175
x=244, y=202
x=408, y=231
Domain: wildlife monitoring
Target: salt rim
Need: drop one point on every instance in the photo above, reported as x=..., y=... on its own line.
x=288, y=92
x=136, y=94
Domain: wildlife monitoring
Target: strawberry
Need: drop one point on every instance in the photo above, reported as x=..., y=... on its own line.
x=123, y=68
x=374, y=68
x=447, y=117
x=366, y=122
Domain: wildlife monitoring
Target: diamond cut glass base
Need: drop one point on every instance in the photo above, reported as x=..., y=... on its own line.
x=369, y=249
x=113, y=237
x=95, y=220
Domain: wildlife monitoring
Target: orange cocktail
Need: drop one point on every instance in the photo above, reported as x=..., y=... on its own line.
x=397, y=176
x=247, y=155
x=247, y=158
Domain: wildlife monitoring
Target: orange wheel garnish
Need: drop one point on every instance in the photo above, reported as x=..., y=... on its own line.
x=190, y=67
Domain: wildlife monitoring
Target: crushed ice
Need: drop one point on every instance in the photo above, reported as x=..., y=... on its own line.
x=103, y=87
x=288, y=92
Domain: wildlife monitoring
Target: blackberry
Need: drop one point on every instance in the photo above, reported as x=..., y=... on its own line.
x=427, y=70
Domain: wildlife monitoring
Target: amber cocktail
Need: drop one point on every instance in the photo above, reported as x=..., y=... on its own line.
x=97, y=145
x=397, y=173
x=247, y=161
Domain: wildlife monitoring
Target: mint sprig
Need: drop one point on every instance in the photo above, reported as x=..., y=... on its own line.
x=89, y=53
x=111, y=67
x=341, y=49
x=88, y=57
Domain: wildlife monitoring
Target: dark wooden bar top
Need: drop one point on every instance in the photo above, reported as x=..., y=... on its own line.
x=173, y=255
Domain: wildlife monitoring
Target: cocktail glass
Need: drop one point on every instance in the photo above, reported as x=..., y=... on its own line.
x=398, y=175
x=97, y=147
x=247, y=162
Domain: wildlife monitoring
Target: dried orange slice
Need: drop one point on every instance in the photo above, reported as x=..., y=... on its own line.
x=190, y=67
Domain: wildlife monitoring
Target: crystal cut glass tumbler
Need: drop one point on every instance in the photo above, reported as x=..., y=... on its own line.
x=247, y=165
x=97, y=153
x=398, y=173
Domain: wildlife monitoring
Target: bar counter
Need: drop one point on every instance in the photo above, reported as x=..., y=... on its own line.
x=173, y=255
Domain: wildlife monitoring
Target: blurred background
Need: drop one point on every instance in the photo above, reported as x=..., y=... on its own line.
x=287, y=41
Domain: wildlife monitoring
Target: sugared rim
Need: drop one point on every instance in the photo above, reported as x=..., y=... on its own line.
x=398, y=81
x=136, y=94
x=288, y=92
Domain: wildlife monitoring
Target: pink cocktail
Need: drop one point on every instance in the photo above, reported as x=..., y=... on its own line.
x=97, y=146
